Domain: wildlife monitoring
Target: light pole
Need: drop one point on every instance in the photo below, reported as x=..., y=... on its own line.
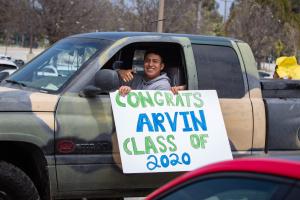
x=160, y=16
x=6, y=41
x=225, y=10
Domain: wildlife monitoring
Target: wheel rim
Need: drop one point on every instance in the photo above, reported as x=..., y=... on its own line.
x=4, y=196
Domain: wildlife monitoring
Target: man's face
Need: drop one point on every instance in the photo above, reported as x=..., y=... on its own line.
x=153, y=65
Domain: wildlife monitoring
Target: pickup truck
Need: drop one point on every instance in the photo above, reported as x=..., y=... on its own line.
x=57, y=131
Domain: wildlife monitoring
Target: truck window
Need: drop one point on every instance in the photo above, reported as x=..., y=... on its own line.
x=138, y=60
x=132, y=57
x=218, y=68
x=51, y=70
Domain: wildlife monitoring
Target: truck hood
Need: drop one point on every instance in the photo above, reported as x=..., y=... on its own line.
x=26, y=101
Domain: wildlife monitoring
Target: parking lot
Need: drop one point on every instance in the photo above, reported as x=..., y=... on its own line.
x=19, y=53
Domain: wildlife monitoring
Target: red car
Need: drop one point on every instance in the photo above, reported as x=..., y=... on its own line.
x=242, y=179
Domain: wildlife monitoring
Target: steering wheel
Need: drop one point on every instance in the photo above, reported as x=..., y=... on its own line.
x=49, y=71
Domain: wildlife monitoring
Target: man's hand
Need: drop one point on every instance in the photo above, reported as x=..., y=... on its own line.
x=126, y=74
x=175, y=89
x=124, y=90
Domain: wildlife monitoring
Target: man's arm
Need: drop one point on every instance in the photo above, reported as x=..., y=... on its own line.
x=175, y=89
x=124, y=90
x=126, y=74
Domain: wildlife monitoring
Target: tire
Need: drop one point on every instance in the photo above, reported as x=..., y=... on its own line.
x=15, y=184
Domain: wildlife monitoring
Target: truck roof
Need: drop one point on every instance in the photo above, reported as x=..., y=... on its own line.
x=194, y=38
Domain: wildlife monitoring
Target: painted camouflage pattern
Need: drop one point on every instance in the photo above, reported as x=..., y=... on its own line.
x=93, y=163
x=27, y=116
x=94, y=134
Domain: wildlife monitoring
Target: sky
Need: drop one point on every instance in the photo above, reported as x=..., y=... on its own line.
x=222, y=5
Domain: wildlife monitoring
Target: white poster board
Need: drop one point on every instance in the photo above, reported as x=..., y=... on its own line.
x=161, y=132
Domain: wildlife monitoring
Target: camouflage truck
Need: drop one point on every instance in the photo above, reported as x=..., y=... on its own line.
x=57, y=131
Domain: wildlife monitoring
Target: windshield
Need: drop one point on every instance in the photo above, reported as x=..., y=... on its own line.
x=51, y=70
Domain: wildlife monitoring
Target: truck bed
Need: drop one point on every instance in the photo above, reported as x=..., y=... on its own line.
x=282, y=106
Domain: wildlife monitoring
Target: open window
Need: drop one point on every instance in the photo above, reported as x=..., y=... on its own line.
x=132, y=57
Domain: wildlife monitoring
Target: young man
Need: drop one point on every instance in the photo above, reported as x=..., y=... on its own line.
x=153, y=78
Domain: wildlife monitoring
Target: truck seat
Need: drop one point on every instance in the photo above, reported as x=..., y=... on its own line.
x=176, y=75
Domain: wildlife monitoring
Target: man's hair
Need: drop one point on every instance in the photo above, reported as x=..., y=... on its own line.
x=154, y=51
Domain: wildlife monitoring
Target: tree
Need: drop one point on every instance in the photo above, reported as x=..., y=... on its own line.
x=211, y=23
x=18, y=19
x=60, y=18
x=197, y=17
x=180, y=16
x=54, y=19
x=288, y=12
x=265, y=27
x=137, y=15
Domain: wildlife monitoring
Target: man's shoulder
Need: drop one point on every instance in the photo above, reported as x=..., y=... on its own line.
x=161, y=84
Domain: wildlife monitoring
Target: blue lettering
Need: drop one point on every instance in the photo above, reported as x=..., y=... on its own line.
x=143, y=120
x=158, y=119
x=186, y=122
x=197, y=122
x=173, y=123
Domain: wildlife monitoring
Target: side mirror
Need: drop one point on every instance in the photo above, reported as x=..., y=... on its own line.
x=106, y=80
x=90, y=91
x=3, y=75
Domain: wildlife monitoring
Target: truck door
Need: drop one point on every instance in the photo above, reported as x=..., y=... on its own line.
x=85, y=148
x=219, y=68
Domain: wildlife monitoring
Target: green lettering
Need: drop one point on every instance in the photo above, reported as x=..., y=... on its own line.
x=179, y=100
x=135, y=150
x=159, y=102
x=163, y=147
x=198, y=141
x=203, y=140
x=132, y=99
x=197, y=96
x=169, y=99
x=118, y=101
x=195, y=141
x=145, y=100
x=169, y=140
x=149, y=145
x=187, y=98
x=125, y=146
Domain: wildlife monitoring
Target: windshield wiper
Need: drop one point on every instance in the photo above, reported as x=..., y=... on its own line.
x=15, y=82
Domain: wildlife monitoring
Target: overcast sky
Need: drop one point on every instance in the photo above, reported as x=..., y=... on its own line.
x=222, y=5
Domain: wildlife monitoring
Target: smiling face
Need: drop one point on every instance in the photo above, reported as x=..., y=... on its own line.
x=153, y=65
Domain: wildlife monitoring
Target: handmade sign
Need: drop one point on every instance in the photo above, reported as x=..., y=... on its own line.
x=161, y=132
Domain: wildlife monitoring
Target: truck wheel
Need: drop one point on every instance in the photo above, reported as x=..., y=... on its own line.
x=15, y=184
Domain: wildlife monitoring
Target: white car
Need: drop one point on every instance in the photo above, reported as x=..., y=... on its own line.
x=8, y=66
x=5, y=57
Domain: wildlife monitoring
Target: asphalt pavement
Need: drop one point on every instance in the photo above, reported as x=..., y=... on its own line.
x=19, y=52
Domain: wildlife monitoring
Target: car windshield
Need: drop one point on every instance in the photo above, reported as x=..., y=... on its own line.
x=51, y=70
